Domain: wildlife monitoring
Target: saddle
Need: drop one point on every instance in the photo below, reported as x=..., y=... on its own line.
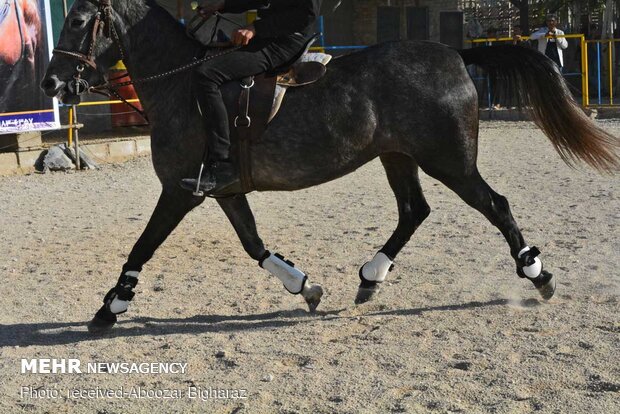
x=252, y=103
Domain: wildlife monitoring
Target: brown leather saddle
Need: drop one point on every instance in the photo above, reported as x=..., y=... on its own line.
x=249, y=103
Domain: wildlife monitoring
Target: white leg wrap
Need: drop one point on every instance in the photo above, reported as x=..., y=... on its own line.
x=377, y=269
x=534, y=270
x=293, y=279
x=119, y=306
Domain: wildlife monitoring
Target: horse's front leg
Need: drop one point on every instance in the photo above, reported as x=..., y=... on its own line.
x=295, y=281
x=170, y=210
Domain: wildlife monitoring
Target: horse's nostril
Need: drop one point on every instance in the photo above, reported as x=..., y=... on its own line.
x=51, y=85
x=48, y=84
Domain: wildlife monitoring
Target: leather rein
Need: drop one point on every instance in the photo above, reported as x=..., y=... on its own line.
x=104, y=26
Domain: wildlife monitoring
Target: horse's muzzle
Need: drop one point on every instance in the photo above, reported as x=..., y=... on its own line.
x=55, y=88
x=52, y=86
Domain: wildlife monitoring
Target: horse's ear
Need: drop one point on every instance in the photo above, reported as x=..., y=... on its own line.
x=101, y=29
x=103, y=26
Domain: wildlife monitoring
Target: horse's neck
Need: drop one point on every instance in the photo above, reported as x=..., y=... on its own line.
x=154, y=44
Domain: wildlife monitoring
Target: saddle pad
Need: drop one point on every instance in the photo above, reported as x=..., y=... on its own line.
x=281, y=89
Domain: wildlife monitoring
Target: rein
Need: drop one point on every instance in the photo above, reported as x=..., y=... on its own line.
x=104, y=26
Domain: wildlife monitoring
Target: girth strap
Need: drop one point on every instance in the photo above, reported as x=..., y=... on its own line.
x=243, y=123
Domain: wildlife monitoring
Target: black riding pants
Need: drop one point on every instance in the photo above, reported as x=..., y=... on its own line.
x=260, y=56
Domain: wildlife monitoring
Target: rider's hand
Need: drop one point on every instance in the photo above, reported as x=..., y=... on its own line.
x=241, y=37
x=209, y=7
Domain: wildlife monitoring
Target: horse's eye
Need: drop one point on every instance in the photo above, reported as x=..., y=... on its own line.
x=76, y=23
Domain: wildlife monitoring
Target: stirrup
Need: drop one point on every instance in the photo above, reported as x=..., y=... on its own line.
x=198, y=192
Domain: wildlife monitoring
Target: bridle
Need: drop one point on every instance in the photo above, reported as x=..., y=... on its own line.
x=103, y=26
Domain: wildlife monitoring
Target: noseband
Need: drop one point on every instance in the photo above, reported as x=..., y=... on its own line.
x=102, y=26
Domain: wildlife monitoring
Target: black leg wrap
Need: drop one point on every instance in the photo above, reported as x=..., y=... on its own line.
x=527, y=259
x=122, y=290
x=124, y=287
x=104, y=318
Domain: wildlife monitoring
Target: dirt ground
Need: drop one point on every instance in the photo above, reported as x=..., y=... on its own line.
x=453, y=331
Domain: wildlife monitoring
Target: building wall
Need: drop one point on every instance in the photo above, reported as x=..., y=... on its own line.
x=365, y=16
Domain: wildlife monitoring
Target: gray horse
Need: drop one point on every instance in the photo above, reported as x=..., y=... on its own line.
x=412, y=104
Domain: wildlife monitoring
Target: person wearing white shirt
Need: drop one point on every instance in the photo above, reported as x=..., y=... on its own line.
x=548, y=41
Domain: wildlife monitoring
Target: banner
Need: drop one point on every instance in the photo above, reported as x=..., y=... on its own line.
x=26, y=42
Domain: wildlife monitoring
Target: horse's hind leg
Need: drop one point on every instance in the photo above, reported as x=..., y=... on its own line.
x=477, y=193
x=402, y=174
x=170, y=210
x=295, y=281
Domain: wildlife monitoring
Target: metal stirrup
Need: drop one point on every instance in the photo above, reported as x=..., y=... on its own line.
x=197, y=191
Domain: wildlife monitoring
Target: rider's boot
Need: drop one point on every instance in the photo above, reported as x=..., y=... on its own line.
x=220, y=175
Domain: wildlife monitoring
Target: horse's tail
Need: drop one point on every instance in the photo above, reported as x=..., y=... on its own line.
x=536, y=83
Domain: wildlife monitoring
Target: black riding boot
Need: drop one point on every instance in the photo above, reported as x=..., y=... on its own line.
x=217, y=175
x=216, y=179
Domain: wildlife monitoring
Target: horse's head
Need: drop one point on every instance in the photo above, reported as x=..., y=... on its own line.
x=90, y=42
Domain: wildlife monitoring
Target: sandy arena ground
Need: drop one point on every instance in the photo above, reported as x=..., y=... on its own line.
x=454, y=331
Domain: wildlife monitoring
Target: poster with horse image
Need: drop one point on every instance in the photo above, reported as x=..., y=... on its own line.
x=25, y=46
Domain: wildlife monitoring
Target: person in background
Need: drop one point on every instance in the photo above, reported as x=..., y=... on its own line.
x=491, y=35
x=548, y=41
x=517, y=37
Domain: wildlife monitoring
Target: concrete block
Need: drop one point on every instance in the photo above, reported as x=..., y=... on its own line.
x=28, y=159
x=608, y=113
x=504, y=114
x=99, y=152
x=8, y=163
x=143, y=146
x=122, y=150
x=23, y=140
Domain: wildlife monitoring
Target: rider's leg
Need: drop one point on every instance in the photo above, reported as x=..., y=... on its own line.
x=249, y=61
x=220, y=172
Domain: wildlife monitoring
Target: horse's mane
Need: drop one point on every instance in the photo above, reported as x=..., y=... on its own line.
x=155, y=29
x=134, y=6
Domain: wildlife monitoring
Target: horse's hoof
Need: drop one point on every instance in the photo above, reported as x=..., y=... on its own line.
x=364, y=294
x=546, y=286
x=312, y=294
x=103, y=321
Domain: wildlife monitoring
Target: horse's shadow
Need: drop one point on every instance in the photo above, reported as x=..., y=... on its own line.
x=61, y=333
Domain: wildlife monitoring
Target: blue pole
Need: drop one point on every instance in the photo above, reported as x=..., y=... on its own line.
x=489, y=92
x=322, y=30
x=489, y=85
x=598, y=61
